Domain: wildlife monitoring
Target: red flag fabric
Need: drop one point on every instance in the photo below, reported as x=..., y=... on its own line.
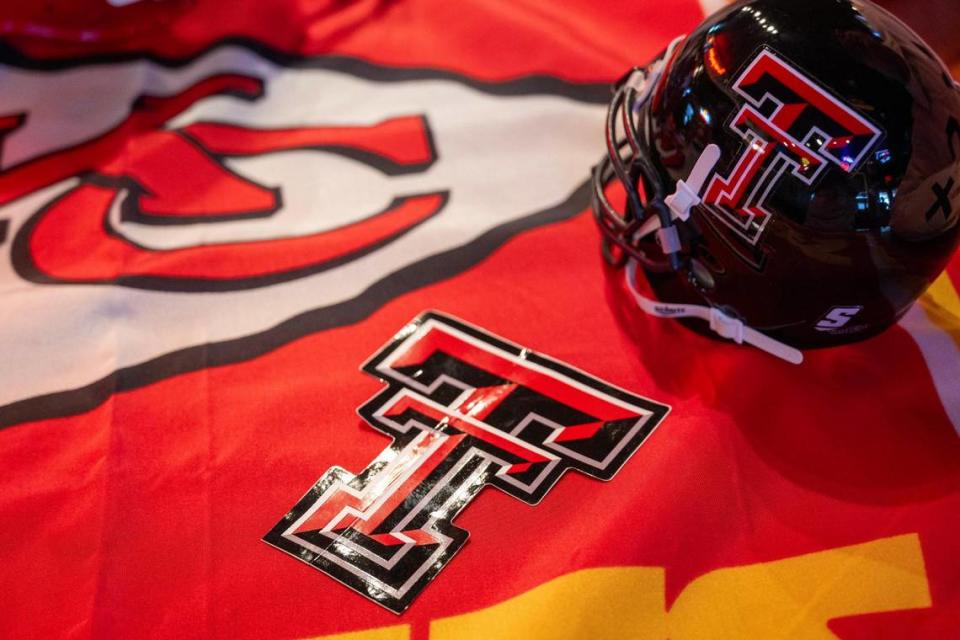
x=209, y=228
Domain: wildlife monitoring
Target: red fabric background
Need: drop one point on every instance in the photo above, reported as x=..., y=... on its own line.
x=143, y=517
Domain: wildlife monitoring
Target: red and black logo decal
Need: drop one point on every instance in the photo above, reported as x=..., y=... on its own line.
x=788, y=123
x=466, y=409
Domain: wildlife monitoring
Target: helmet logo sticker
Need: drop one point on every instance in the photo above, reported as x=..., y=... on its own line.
x=466, y=410
x=788, y=123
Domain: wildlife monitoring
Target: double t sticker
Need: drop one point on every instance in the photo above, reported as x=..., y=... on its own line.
x=466, y=409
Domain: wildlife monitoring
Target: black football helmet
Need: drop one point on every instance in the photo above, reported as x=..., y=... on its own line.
x=791, y=173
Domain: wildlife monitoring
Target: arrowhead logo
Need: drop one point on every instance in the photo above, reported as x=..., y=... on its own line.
x=316, y=188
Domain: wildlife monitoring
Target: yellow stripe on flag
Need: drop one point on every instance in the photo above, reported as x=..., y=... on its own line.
x=792, y=598
x=797, y=597
x=399, y=632
x=942, y=305
x=599, y=604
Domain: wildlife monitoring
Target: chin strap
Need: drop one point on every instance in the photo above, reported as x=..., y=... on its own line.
x=681, y=202
x=720, y=323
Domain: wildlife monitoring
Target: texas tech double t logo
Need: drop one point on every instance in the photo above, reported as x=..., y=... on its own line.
x=466, y=409
x=788, y=123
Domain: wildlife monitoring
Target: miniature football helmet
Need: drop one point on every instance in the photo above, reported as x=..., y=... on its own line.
x=791, y=173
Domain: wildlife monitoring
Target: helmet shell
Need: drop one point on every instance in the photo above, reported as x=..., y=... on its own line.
x=860, y=226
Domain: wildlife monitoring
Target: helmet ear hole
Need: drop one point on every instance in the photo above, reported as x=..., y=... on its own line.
x=701, y=274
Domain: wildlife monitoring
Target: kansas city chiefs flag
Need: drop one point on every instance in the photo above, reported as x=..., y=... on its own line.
x=305, y=333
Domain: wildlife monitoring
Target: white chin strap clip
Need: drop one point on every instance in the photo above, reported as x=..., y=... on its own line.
x=720, y=323
x=681, y=202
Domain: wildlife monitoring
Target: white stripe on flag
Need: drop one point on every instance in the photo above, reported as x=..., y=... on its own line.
x=941, y=353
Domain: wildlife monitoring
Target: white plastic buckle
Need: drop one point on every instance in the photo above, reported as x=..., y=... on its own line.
x=669, y=240
x=682, y=201
x=687, y=193
x=725, y=326
x=638, y=80
x=721, y=323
